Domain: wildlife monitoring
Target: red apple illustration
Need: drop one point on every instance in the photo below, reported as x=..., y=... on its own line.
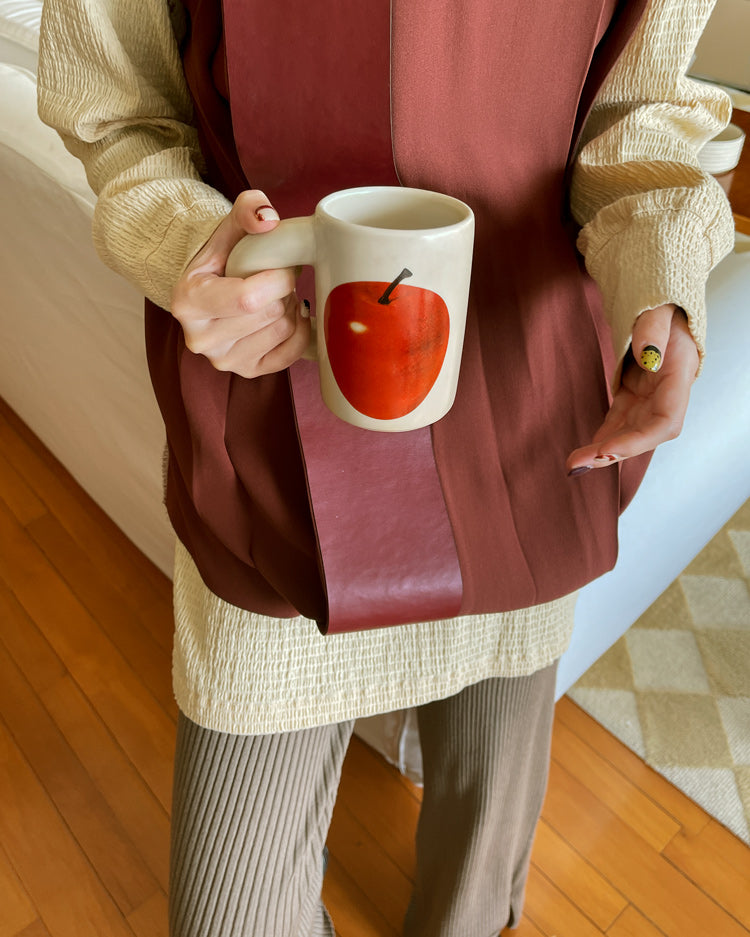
x=386, y=344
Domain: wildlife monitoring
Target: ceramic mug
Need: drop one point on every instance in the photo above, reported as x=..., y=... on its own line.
x=392, y=268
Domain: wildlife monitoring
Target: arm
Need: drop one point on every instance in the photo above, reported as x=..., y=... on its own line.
x=653, y=223
x=111, y=83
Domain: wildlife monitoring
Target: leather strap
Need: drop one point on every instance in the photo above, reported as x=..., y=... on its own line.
x=386, y=548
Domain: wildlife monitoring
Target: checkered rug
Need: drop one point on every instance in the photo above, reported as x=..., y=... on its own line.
x=676, y=687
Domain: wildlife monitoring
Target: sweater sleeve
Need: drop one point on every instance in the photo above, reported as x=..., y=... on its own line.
x=111, y=83
x=653, y=223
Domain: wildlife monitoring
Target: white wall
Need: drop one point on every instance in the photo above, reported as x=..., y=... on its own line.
x=723, y=53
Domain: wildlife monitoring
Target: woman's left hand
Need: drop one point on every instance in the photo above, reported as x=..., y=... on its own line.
x=649, y=406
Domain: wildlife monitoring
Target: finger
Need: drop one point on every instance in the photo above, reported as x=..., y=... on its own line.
x=251, y=213
x=214, y=337
x=255, y=292
x=227, y=351
x=651, y=336
x=627, y=444
x=271, y=349
x=211, y=297
x=625, y=435
x=285, y=354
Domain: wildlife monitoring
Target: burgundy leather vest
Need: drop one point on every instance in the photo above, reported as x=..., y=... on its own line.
x=484, y=101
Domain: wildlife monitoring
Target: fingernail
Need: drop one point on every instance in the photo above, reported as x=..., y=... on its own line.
x=606, y=459
x=651, y=358
x=581, y=470
x=305, y=310
x=266, y=213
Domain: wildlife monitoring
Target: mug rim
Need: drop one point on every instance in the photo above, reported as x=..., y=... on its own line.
x=467, y=215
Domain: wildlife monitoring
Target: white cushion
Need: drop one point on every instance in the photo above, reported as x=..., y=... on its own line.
x=19, y=22
x=21, y=130
x=72, y=358
x=19, y=32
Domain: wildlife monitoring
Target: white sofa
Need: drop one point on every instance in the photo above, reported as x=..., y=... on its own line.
x=72, y=362
x=72, y=365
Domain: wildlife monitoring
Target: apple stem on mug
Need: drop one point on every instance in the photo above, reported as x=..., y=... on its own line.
x=385, y=299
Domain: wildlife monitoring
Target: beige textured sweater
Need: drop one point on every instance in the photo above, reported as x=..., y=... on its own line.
x=111, y=83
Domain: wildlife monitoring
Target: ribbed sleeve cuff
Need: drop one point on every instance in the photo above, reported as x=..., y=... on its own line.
x=655, y=252
x=149, y=233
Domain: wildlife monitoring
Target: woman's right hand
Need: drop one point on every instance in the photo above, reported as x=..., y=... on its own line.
x=250, y=326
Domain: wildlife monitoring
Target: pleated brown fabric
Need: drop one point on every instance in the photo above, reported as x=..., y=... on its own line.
x=486, y=761
x=251, y=815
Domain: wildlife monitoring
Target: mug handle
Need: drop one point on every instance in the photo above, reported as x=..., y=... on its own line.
x=290, y=244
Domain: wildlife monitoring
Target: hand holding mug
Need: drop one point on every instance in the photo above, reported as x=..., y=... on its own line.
x=251, y=326
x=392, y=271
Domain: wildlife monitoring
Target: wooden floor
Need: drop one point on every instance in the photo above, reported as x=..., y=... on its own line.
x=87, y=726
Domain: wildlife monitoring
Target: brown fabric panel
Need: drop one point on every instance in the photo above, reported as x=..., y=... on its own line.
x=308, y=89
x=252, y=558
x=387, y=554
x=204, y=61
x=532, y=384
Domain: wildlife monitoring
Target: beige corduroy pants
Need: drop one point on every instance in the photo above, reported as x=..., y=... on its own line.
x=251, y=815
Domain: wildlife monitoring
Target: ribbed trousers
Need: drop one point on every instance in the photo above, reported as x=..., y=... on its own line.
x=251, y=814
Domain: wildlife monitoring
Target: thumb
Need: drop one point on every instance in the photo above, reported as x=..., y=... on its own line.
x=651, y=336
x=251, y=213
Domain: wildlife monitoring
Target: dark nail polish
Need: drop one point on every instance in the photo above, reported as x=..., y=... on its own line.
x=581, y=470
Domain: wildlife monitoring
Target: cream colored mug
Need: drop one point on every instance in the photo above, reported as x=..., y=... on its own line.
x=392, y=270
